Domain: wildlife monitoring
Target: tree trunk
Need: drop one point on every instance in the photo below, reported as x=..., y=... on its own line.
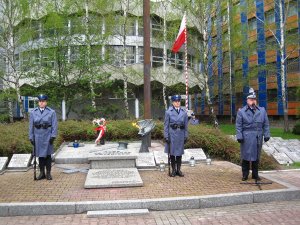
x=20, y=102
x=282, y=69
x=212, y=114
x=165, y=59
x=88, y=45
x=125, y=61
x=10, y=111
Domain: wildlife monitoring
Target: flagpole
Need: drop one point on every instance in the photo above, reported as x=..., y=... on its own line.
x=186, y=66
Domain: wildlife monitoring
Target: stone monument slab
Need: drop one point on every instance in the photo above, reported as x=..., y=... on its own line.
x=282, y=158
x=112, y=158
x=197, y=153
x=145, y=160
x=19, y=162
x=295, y=156
x=3, y=163
x=108, y=178
x=160, y=156
x=71, y=155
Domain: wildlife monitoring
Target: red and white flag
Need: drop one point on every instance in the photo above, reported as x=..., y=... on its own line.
x=181, y=37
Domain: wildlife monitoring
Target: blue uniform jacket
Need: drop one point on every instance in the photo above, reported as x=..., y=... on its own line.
x=251, y=128
x=42, y=136
x=176, y=136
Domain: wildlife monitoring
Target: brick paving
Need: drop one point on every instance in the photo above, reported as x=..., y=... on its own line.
x=219, y=178
x=285, y=212
x=290, y=176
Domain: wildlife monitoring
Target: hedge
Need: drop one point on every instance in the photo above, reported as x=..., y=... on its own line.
x=14, y=138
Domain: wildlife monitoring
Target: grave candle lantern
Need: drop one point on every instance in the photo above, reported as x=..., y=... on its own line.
x=162, y=166
x=192, y=161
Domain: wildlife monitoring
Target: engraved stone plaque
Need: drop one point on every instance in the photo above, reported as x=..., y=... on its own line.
x=19, y=162
x=145, y=160
x=123, y=177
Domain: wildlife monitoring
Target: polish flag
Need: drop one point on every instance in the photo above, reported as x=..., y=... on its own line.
x=181, y=37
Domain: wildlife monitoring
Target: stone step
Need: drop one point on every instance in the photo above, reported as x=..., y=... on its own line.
x=124, y=212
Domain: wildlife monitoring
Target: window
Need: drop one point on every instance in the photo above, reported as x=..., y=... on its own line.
x=269, y=17
x=31, y=104
x=272, y=95
x=157, y=57
x=252, y=23
x=292, y=8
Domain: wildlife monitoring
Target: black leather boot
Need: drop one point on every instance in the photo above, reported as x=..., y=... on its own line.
x=42, y=168
x=102, y=141
x=48, y=167
x=255, y=171
x=245, y=169
x=178, y=162
x=173, y=165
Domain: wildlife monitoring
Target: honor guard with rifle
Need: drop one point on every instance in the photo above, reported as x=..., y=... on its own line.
x=175, y=134
x=42, y=133
x=252, y=128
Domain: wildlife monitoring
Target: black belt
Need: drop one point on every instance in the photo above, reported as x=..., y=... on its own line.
x=43, y=126
x=177, y=126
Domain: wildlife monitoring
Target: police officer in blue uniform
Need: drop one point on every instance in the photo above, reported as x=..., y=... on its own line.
x=175, y=134
x=42, y=133
x=193, y=120
x=252, y=127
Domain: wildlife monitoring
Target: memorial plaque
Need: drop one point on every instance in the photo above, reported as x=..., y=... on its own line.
x=160, y=156
x=145, y=160
x=19, y=162
x=295, y=156
x=103, y=178
x=197, y=153
x=3, y=162
x=282, y=158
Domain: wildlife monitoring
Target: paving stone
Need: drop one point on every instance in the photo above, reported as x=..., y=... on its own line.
x=226, y=200
x=123, y=177
x=19, y=162
x=3, y=163
x=171, y=203
x=41, y=208
x=84, y=206
x=276, y=195
x=4, y=209
x=145, y=160
x=125, y=212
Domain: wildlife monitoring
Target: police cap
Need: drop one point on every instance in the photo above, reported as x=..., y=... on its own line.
x=42, y=97
x=251, y=93
x=176, y=98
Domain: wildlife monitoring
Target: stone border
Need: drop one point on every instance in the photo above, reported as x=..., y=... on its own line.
x=161, y=204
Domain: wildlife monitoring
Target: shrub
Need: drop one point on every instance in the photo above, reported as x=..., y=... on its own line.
x=296, y=129
x=4, y=118
x=14, y=138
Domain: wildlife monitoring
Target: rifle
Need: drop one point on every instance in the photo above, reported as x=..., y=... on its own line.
x=169, y=158
x=34, y=162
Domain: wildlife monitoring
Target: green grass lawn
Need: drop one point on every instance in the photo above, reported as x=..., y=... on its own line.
x=275, y=132
x=295, y=165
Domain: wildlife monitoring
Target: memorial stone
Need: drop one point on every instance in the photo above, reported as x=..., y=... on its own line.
x=103, y=178
x=3, y=163
x=145, y=160
x=19, y=162
x=160, y=156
